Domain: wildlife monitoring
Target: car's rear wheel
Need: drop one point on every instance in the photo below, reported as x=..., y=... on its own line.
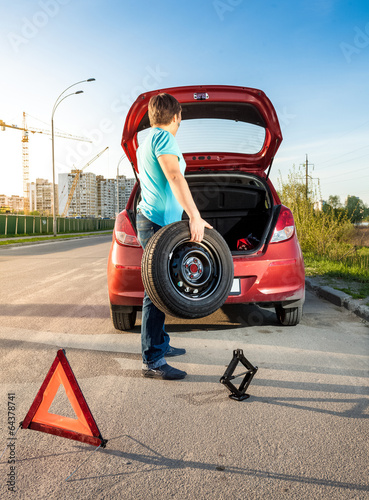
x=289, y=316
x=186, y=279
x=123, y=320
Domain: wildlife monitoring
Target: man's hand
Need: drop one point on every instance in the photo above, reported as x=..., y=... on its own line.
x=197, y=226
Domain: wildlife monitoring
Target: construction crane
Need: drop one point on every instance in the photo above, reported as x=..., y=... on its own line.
x=76, y=179
x=25, y=162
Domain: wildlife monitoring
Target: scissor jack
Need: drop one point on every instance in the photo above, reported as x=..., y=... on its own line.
x=240, y=393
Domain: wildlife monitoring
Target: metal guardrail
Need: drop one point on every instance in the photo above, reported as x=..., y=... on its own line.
x=13, y=225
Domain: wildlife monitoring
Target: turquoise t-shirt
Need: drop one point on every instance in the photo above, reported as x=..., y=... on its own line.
x=158, y=202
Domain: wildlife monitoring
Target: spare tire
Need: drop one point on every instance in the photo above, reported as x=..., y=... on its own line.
x=183, y=278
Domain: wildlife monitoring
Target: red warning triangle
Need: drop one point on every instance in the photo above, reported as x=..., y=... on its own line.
x=83, y=428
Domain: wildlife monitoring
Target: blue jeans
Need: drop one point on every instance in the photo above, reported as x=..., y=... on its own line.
x=154, y=338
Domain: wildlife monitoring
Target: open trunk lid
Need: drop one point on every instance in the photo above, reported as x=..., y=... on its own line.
x=223, y=127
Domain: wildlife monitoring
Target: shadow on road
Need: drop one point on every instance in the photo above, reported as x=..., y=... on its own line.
x=356, y=408
x=230, y=316
x=227, y=318
x=157, y=461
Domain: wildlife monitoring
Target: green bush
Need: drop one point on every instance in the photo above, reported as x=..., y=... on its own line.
x=320, y=232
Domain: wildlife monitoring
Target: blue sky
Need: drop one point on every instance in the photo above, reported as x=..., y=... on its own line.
x=310, y=57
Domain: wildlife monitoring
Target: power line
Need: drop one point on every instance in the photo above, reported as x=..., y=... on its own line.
x=349, y=179
x=340, y=156
x=353, y=129
x=345, y=173
x=346, y=161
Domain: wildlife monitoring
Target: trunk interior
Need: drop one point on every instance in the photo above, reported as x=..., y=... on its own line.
x=239, y=206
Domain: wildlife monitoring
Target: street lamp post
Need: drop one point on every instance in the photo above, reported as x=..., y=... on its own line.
x=119, y=162
x=57, y=102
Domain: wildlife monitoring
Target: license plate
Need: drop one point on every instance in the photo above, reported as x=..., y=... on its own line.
x=236, y=287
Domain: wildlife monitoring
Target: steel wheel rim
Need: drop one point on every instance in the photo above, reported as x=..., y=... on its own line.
x=194, y=269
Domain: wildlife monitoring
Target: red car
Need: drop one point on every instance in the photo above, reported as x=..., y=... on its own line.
x=229, y=137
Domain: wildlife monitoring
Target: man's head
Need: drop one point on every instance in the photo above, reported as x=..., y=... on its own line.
x=162, y=109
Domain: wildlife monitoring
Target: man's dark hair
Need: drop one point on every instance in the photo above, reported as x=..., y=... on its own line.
x=162, y=108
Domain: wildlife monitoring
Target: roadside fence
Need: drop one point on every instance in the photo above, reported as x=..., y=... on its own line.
x=11, y=224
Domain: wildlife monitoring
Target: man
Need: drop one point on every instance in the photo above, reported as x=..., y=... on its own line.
x=164, y=196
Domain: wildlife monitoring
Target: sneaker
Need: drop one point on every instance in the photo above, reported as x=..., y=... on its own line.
x=164, y=372
x=174, y=351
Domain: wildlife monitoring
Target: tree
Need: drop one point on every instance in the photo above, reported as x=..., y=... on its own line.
x=355, y=208
x=366, y=213
x=334, y=206
x=334, y=201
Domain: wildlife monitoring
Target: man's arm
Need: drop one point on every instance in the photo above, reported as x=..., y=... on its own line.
x=179, y=186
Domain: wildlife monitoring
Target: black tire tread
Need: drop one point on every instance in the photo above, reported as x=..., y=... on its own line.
x=290, y=316
x=123, y=321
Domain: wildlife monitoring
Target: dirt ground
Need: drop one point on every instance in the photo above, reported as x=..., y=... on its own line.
x=361, y=236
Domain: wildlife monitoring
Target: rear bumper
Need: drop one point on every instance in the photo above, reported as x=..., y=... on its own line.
x=124, y=280
x=284, y=283
x=279, y=278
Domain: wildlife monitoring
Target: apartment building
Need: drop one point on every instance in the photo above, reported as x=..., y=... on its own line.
x=108, y=192
x=84, y=199
x=88, y=195
x=94, y=196
x=4, y=200
x=12, y=203
x=16, y=203
x=41, y=196
x=125, y=187
x=106, y=196
x=128, y=186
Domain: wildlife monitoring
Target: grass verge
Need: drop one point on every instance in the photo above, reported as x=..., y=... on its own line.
x=349, y=275
x=336, y=253
x=33, y=239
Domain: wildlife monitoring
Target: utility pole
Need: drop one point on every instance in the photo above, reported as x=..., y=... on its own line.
x=307, y=176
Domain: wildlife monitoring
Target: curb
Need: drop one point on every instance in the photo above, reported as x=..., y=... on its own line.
x=338, y=298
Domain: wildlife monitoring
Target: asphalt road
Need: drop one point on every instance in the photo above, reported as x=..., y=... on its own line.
x=303, y=433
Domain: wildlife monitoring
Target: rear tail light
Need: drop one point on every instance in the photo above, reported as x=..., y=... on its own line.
x=285, y=226
x=124, y=232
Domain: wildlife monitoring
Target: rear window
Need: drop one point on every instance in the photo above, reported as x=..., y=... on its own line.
x=209, y=135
